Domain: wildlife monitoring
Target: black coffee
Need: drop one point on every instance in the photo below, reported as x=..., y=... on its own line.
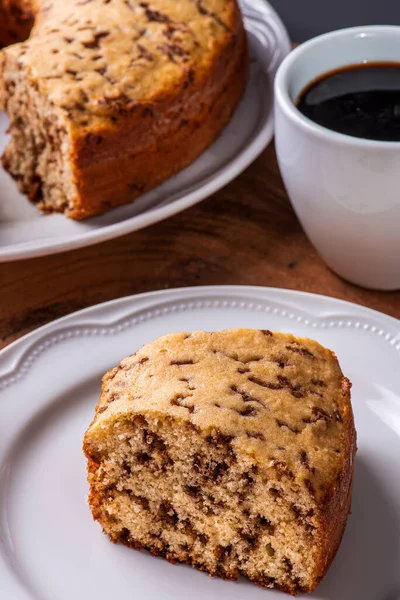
x=358, y=100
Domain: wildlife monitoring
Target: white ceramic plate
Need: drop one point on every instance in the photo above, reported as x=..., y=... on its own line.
x=50, y=549
x=25, y=232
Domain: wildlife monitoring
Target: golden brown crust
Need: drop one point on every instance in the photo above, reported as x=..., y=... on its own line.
x=337, y=503
x=118, y=177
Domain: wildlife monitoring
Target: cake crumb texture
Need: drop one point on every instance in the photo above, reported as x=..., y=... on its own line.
x=230, y=451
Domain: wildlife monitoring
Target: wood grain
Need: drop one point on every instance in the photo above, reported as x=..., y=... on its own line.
x=245, y=234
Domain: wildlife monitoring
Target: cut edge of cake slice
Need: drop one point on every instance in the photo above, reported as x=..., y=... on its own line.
x=38, y=153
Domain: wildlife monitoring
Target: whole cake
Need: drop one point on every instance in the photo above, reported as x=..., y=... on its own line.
x=230, y=451
x=108, y=98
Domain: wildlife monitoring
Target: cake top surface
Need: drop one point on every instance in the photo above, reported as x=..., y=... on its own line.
x=281, y=401
x=106, y=56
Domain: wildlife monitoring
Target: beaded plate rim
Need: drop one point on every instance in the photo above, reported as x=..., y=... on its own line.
x=24, y=352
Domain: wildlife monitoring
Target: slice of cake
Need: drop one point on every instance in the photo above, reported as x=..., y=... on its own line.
x=230, y=451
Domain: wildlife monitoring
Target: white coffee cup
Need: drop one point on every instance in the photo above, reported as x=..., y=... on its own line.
x=345, y=190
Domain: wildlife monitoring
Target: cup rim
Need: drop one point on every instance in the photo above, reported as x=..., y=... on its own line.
x=293, y=113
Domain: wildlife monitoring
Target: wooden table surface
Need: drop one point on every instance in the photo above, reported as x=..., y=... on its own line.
x=245, y=234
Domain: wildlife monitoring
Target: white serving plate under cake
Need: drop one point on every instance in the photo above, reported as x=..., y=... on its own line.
x=25, y=232
x=50, y=547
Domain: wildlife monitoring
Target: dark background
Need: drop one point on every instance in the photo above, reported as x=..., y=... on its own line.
x=306, y=18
